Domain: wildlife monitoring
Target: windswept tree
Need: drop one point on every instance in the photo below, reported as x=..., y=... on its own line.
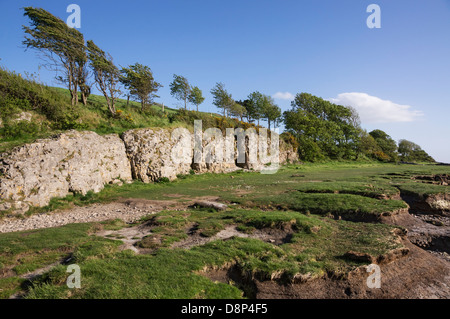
x=85, y=87
x=270, y=111
x=196, y=96
x=221, y=98
x=138, y=79
x=255, y=105
x=246, y=104
x=238, y=111
x=180, y=89
x=323, y=129
x=62, y=47
x=106, y=74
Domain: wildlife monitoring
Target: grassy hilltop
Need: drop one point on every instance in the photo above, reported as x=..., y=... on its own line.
x=49, y=111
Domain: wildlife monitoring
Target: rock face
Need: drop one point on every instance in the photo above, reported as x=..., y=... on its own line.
x=70, y=162
x=158, y=153
x=150, y=154
x=79, y=162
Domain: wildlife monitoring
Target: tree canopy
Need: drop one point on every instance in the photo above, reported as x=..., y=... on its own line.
x=138, y=79
x=322, y=128
x=196, y=96
x=180, y=89
x=221, y=98
x=238, y=111
x=386, y=143
x=411, y=152
x=62, y=47
x=106, y=74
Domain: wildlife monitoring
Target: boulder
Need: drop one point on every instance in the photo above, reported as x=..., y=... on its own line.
x=152, y=155
x=74, y=161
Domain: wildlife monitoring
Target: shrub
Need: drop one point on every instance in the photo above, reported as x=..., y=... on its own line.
x=163, y=180
x=381, y=156
x=21, y=129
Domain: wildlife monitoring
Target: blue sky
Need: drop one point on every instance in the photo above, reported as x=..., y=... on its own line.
x=397, y=76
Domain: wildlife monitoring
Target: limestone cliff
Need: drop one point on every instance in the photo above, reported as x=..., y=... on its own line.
x=69, y=162
x=78, y=162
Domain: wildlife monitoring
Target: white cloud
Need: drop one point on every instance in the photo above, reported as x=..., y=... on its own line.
x=372, y=109
x=283, y=96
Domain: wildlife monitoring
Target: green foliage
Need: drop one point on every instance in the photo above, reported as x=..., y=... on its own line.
x=386, y=143
x=221, y=98
x=196, y=96
x=18, y=94
x=138, y=79
x=254, y=105
x=324, y=129
x=208, y=120
x=106, y=74
x=271, y=112
x=163, y=180
x=412, y=152
x=237, y=111
x=63, y=47
x=289, y=139
x=369, y=147
x=180, y=89
x=22, y=129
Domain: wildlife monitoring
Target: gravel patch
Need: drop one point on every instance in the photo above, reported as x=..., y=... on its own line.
x=97, y=212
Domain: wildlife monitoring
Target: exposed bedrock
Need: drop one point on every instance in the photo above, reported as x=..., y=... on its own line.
x=78, y=162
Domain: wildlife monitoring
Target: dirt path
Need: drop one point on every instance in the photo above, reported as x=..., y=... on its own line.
x=126, y=210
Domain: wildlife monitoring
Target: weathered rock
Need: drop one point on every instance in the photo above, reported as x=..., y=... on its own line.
x=69, y=162
x=24, y=116
x=155, y=153
x=152, y=155
x=79, y=162
x=210, y=204
x=218, y=155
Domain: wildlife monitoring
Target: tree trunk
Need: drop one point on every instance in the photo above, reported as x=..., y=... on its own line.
x=74, y=94
x=269, y=124
x=84, y=98
x=111, y=105
x=128, y=99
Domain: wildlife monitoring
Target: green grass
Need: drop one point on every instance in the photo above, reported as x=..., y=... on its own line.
x=52, y=112
x=298, y=199
x=355, y=188
x=422, y=189
x=337, y=188
x=23, y=252
x=317, y=247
